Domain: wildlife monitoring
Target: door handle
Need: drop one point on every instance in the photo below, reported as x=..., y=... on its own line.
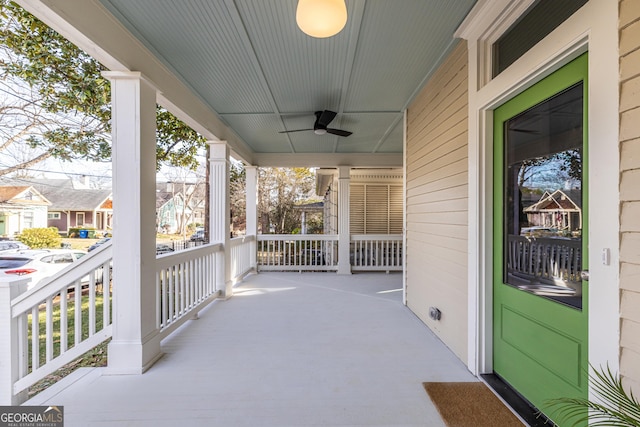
x=584, y=275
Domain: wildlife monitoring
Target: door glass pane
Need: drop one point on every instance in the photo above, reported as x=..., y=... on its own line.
x=543, y=198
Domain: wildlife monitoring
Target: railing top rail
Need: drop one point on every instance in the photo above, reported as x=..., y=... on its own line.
x=173, y=258
x=297, y=237
x=376, y=237
x=556, y=241
x=236, y=241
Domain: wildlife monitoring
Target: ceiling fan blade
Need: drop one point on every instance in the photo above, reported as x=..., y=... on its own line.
x=325, y=117
x=339, y=132
x=297, y=130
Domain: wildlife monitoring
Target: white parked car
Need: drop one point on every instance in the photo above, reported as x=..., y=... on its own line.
x=11, y=245
x=37, y=264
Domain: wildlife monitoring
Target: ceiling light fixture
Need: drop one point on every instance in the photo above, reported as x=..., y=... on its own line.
x=321, y=18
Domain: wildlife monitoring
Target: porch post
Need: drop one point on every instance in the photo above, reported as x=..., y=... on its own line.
x=9, y=328
x=136, y=340
x=220, y=213
x=251, y=181
x=344, y=235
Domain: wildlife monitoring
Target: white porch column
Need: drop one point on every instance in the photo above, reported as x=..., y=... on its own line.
x=252, y=200
x=136, y=341
x=251, y=182
x=9, y=355
x=220, y=212
x=344, y=235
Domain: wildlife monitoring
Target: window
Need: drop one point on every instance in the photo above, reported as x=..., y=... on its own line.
x=79, y=219
x=53, y=215
x=543, y=198
x=375, y=208
x=538, y=22
x=28, y=219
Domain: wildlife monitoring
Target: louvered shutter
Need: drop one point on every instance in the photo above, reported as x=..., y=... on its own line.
x=377, y=209
x=357, y=208
x=395, y=209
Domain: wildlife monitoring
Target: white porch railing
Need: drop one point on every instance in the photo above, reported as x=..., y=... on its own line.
x=186, y=280
x=51, y=325
x=44, y=329
x=318, y=252
x=545, y=258
x=297, y=252
x=376, y=252
x=242, y=251
x=185, y=283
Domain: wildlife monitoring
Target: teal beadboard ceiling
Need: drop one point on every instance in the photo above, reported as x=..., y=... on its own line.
x=248, y=61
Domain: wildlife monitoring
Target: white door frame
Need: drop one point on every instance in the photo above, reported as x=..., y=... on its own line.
x=594, y=28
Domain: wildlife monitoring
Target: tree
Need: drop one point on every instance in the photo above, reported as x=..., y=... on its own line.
x=237, y=193
x=280, y=189
x=57, y=102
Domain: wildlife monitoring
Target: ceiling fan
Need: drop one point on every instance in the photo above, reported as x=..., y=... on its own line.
x=323, y=118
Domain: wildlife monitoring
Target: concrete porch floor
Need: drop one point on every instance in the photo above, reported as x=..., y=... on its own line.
x=289, y=349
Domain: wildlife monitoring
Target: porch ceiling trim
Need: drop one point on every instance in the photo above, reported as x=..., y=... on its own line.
x=361, y=160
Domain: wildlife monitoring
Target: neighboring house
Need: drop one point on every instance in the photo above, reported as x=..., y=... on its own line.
x=21, y=207
x=176, y=204
x=307, y=211
x=169, y=208
x=73, y=205
x=557, y=210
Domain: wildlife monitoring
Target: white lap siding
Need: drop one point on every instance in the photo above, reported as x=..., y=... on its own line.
x=630, y=192
x=437, y=201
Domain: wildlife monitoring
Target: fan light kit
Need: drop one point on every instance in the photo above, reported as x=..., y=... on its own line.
x=321, y=18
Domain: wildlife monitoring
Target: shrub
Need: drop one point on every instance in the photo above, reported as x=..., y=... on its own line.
x=41, y=237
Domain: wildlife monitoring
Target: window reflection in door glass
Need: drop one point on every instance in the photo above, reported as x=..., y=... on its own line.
x=543, y=198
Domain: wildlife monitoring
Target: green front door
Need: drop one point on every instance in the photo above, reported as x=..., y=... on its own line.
x=540, y=238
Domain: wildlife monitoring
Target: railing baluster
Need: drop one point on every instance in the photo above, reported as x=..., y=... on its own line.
x=183, y=288
x=23, y=345
x=158, y=299
x=92, y=305
x=171, y=277
x=49, y=329
x=35, y=338
x=164, y=296
x=64, y=322
x=106, y=295
x=77, y=313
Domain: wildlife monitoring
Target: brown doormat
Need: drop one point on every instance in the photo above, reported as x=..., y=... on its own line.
x=470, y=404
